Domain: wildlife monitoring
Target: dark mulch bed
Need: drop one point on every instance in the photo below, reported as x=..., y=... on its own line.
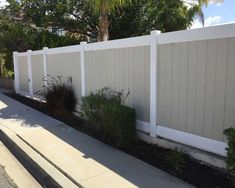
x=193, y=172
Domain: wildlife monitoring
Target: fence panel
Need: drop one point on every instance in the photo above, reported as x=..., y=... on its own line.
x=195, y=84
x=124, y=69
x=23, y=74
x=66, y=65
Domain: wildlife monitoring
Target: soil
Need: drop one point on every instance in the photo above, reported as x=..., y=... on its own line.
x=192, y=171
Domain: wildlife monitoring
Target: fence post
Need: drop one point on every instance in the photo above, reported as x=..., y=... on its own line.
x=30, y=72
x=45, y=65
x=16, y=72
x=153, y=82
x=82, y=56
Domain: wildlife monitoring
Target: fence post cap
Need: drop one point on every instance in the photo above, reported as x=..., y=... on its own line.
x=29, y=51
x=83, y=42
x=155, y=32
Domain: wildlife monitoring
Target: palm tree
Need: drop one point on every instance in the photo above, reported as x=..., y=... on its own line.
x=200, y=3
x=208, y=1
x=104, y=7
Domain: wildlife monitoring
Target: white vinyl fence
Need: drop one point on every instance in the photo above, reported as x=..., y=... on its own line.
x=181, y=84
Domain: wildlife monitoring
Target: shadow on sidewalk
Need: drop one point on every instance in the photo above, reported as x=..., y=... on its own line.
x=125, y=166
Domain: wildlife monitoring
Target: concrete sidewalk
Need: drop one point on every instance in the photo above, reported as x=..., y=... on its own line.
x=17, y=175
x=83, y=159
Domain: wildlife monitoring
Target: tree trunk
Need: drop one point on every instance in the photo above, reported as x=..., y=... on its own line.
x=103, y=34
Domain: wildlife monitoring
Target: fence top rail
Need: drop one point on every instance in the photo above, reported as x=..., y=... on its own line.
x=22, y=54
x=37, y=52
x=207, y=33
x=119, y=43
x=65, y=49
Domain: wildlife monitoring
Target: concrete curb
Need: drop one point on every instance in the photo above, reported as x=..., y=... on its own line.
x=33, y=168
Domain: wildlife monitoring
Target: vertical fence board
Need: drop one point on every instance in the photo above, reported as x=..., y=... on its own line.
x=230, y=86
x=200, y=87
x=161, y=59
x=191, y=99
x=210, y=88
x=23, y=74
x=167, y=74
x=37, y=72
x=131, y=75
x=175, y=84
x=220, y=88
x=183, y=86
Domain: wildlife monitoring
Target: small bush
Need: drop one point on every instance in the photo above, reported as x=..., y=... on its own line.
x=59, y=96
x=91, y=106
x=106, y=113
x=230, y=160
x=176, y=158
x=118, y=123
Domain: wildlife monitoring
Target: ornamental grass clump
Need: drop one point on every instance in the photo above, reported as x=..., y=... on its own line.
x=59, y=96
x=176, y=159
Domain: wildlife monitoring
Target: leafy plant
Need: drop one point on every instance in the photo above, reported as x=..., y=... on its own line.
x=230, y=160
x=176, y=158
x=91, y=107
x=118, y=123
x=7, y=73
x=17, y=36
x=106, y=113
x=59, y=96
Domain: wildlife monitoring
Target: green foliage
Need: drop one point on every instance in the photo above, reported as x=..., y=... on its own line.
x=176, y=158
x=118, y=123
x=91, y=108
x=143, y=16
x=59, y=96
x=20, y=37
x=230, y=134
x=107, y=5
x=7, y=73
x=105, y=113
x=92, y=104
x=136, y=18
x=75, y=16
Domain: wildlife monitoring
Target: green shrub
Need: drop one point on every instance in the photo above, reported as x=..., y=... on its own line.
x=91, y=110
x=118, y=123
x=230, y=160
x=91, y=107
x=176, y=158
x=59, y=96
x=106, y=113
